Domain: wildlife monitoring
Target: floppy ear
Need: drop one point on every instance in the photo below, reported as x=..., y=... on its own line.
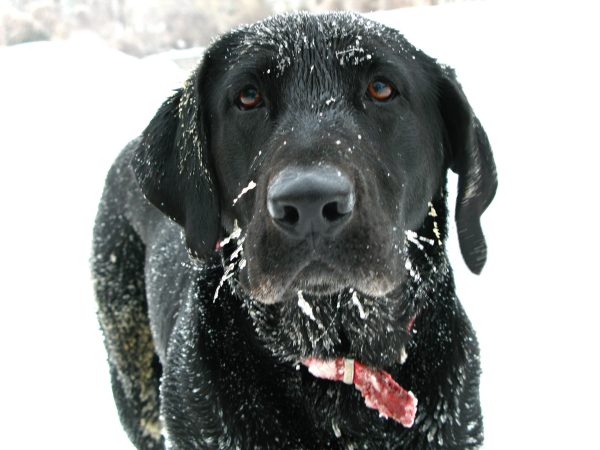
x=172, y=167
x=471, y=158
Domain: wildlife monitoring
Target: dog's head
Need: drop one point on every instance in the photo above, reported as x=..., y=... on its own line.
x=322, y=143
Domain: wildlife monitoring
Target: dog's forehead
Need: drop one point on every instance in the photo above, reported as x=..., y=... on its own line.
x=319, y=42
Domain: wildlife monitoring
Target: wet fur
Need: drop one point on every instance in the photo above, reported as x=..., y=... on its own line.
x=211, y=341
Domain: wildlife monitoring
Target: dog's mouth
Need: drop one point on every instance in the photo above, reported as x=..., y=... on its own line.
x=346, y=324
x=377, y=387
x=319, y=276
x=316, y=275
x=320, y=279
x=321, y=311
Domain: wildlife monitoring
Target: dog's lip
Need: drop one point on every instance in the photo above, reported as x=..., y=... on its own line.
x=321, y=279
x=318, y=288
x=316, y=277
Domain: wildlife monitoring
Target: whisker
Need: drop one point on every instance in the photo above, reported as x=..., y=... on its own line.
x=235, y=234
x=413, y=237
x=326, y=329
x=356, y=302
x=240, y=248
x=306, y=308
x=229, y=271
x=237, y=261
x=436, y=229
x=250, y=186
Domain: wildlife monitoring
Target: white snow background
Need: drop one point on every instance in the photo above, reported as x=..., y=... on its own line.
x=531, y=72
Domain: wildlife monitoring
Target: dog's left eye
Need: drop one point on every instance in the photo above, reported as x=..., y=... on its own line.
x=381, y=90
x=249, y=97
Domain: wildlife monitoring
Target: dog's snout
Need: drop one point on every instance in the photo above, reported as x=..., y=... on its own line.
x=310, y=201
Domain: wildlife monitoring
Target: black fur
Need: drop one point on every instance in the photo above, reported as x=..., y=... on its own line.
x=205, y=346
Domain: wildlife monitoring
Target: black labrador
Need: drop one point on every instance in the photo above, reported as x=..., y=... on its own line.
x=269, y=256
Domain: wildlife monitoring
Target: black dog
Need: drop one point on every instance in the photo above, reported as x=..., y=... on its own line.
x=279, y=227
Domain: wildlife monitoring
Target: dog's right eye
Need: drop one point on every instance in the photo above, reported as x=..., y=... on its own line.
x=249, y=97
x=381, y=90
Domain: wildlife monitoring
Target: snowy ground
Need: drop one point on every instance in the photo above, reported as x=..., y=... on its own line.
x=531, y=73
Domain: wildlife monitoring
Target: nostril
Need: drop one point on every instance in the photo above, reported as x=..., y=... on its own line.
x=290, y=215
x=331, y=212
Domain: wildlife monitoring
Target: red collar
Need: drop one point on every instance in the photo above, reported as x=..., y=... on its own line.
x=378, y=388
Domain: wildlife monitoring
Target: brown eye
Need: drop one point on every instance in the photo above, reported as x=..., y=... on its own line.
x=380, y=90
x=249, y=98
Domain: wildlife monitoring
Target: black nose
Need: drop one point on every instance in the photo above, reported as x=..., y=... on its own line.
x=310, y=201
